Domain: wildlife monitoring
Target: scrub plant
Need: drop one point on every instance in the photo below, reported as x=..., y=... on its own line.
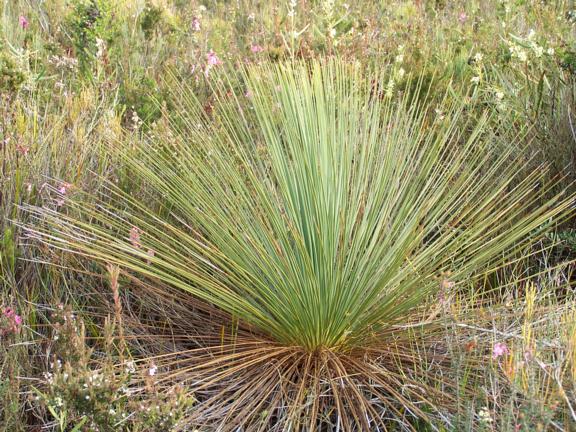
x=320, y=220
x=92, y=392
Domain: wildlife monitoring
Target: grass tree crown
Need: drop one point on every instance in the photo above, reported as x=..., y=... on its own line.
x=310, y=205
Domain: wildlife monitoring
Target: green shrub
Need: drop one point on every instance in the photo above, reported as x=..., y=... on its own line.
x=150, y=19
x=143, y=98
x=82, y=392
x=89, y=22
x=11, y=78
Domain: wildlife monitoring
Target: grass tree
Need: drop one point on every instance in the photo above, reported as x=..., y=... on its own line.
x=328, y=221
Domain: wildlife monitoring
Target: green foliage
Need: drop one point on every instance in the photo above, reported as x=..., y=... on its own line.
x=569, y=237
x=81, y=74
x=81, y=390
x=8, y=251
x=154, y=21
x=11, y=77
x=321, y=215
x=89, y=22
x=568, y=61
x=143, y=98
x=344, y=210
x=150, y=19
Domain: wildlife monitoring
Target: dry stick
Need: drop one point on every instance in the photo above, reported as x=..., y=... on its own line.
x=501, y=333
x=114, y=272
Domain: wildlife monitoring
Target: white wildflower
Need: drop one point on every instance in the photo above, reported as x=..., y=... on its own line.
x=390, y=88
x=153, y=369
x=439, y=113
x=101, y=47
x=130, y=367
x=538, y=51
x=485, y=416
x=522, y=56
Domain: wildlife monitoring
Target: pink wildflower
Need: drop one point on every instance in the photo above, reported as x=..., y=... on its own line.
x=462, y=17
x=23, y=22
x=64, y=187
x=10, y=322
x=196, y=24
x=135, y=237
x=445, y=288
x=213, y=59
x=150, y=254
x=256, y=49
x=63, y=190
x=499, y=350
x=23, y=150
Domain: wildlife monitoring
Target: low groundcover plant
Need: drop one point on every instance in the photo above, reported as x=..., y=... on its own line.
x=322, y=217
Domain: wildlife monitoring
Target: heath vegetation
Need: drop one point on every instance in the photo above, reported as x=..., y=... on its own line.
x=301, y=215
